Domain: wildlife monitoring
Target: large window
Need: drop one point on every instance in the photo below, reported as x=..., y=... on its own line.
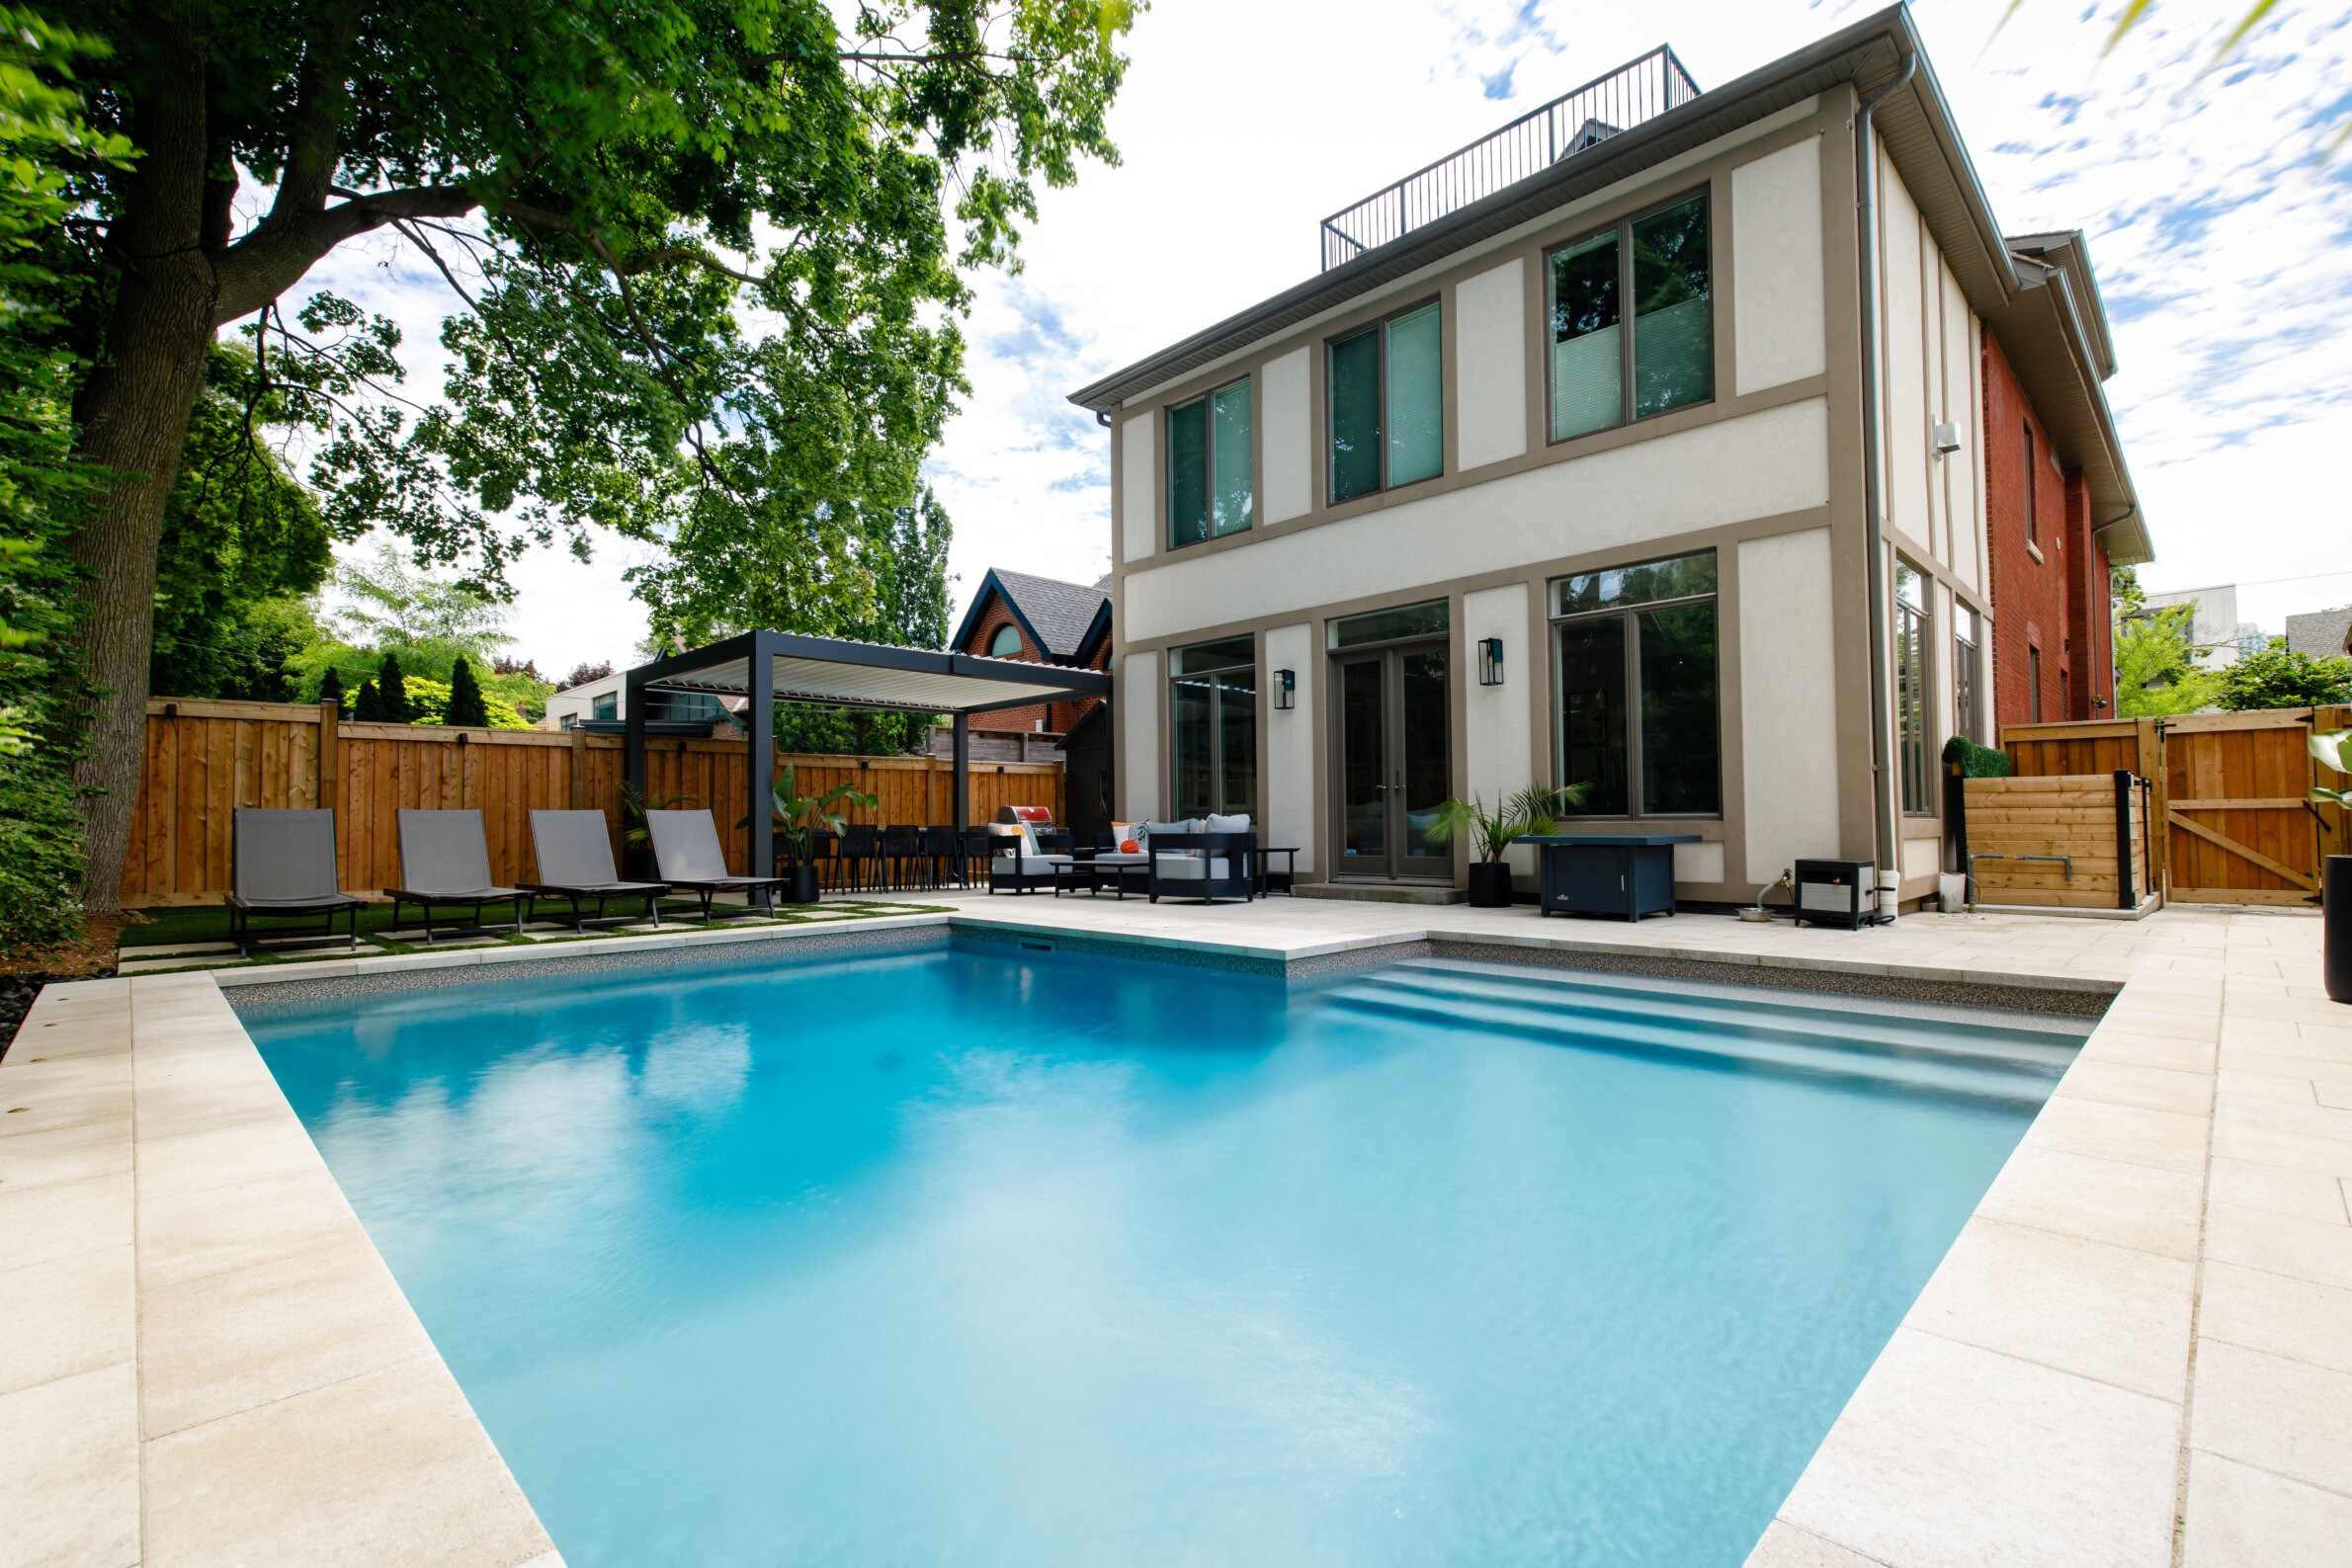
x=1911, y=715
x=1209, y=466
x=1964, y=713
x=1600, y=375
x=1214, y=700
x=2033, y=523
x=1634, y=669
x=1386, y=405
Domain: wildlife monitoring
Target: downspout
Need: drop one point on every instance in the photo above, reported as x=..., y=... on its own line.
x=1884, y=827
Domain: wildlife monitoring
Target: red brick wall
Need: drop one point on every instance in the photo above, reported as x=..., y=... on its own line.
x=1058, y=717
x=2055, y=601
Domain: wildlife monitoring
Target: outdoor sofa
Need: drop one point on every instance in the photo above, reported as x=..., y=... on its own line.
x=1205, y=858
x=445, y=862
x=687, y=859
x=283, y=863
x=574, y=852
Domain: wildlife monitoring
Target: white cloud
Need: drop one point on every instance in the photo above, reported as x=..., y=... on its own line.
x=2219, y=236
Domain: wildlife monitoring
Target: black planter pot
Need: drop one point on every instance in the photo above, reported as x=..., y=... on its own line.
x=800, y=885
x=1489, y=885
x=2335, y=935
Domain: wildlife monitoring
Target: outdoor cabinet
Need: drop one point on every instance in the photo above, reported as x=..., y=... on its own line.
x=1592, y=874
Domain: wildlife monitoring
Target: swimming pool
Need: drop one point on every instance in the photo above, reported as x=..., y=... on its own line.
x=979, y=1256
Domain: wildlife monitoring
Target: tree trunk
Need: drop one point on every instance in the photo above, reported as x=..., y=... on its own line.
x=133, y=413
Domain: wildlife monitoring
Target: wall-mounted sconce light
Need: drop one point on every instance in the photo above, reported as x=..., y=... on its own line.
x=1286, y=690
x=171, y=710
x=1946, y=438
x=1490, y=661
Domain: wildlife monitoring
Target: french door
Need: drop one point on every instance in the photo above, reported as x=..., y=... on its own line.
x=1395, y=761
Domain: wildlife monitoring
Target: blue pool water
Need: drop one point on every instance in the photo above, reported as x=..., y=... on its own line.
x=977, y=1256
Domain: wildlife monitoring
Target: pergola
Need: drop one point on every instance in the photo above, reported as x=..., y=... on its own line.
x=771, y=667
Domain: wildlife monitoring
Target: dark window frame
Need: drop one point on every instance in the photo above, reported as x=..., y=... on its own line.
x=1215, y=676
x=1966, y=699
x=1625, y=615
x=2032, y=677
x=1914, y=716
x=1207, y=463
x=2033, y=519
x=1622, y=228
x=1377, y=327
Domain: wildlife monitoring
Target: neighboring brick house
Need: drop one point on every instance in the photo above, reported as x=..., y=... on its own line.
x=2053, y=634
x=1040, y=621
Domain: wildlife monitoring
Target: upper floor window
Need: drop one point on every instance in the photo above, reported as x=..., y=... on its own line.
x=1208, y=465
x=1386, y=405
x=1910, y=690
x=1601, y=375
x=1006, y=644
x=605, y=705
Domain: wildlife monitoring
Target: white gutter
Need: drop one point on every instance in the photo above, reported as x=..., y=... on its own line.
x=1885, y=826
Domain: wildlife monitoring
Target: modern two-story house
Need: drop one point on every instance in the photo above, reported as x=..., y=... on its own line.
x=1637, y=446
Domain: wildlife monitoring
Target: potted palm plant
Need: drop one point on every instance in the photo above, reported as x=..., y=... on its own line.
x=2333, y=751
x=800, y=816
x=1533, y=809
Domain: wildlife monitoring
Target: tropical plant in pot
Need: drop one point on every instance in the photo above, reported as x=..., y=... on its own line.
x=2332, y=750
x=1533, y=810
x=800, y=817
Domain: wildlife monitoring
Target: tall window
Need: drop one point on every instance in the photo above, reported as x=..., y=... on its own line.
x=2033, y=529
x=1633, y=667
x=1964, y=672
x=2032, y=681
x=1386, y=405
x=1601, y=377
x=1213, y=699
x=1209, y=466
x=1006, y=644
x=1910, y=691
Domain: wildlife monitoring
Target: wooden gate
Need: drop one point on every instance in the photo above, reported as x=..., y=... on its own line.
x=2232, y=790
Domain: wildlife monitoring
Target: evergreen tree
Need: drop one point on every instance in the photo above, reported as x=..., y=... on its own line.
x=393, y=691
x=467, y=710
x=330, y=689
x=368, y=706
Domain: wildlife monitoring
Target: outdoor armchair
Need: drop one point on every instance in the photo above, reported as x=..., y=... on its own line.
x=1020, y=867
x=1206, y=859
x=283, y=863
x=445, y=861
x=687, y=856
x=574, y=851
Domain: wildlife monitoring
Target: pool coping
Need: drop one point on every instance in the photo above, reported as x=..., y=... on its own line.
x=212, y=1361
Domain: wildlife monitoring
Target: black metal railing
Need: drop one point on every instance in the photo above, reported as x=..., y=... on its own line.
x=1530, y=144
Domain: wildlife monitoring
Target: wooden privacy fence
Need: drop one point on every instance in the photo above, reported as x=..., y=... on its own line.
x=205, y=758
x=2231, y=791
x=2070, y=840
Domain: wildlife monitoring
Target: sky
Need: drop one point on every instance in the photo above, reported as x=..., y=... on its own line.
x=2220, y=230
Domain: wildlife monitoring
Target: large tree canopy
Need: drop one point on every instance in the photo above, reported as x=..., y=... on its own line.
x=706, y=263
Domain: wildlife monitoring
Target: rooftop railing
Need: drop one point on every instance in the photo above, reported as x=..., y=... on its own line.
x=1530, y=144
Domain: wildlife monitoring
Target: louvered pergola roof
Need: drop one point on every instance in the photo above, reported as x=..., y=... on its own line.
x=838, y=672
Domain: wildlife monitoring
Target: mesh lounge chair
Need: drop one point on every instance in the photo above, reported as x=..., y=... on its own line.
x=445, y=860
x=687, y=854
x=574, y=850
x=283, y=863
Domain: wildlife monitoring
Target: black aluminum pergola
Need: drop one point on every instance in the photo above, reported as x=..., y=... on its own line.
x=771, y=667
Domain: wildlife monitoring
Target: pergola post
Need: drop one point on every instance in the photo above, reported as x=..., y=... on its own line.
x=962, y=755
x=632, y=719
x=761, y=760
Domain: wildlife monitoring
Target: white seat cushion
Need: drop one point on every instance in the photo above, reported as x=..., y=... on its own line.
x=1120, y=858
x=1239, y=823
x=1027, y=864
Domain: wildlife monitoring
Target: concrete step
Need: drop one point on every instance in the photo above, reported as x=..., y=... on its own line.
x=1381, y=892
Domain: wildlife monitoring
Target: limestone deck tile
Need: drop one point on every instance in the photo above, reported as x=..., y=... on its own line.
x=66, y=1316
x=2316, y=1251
x=2239, y=1517
x=2277, y=1189
x=188, y=1234
x=1954, y=1456
x=2141, y=1206
x=2126, y=1048
x=63, y=1154
x=2310, y=1121
x=2122, y=1084
x=201, y=1162
x=2080, y=1306
x=2242, y=1082
x=69, y=1473
x=1786, y=1546
x=57, y=1219
x=2241, y=1138
x=2288, y=1417
x=2290, y=1318
x=2167, y=1139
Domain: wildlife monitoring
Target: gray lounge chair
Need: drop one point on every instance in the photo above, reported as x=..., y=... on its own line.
x=574, y=850
x=283, y=863
x=445, y=860
x=687, y=856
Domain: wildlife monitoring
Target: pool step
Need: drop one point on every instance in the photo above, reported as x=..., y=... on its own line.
x=1820, y=1043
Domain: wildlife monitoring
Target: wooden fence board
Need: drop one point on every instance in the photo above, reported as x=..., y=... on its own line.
x=205, y=758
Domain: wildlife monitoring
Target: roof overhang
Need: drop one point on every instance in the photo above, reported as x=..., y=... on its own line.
x=835, y=672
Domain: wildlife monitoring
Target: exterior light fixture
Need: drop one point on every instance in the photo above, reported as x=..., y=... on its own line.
x=1286, y=690
x=1946, y=438
x=1490, y=661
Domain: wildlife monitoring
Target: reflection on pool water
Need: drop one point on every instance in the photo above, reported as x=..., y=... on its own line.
x=977, y=1256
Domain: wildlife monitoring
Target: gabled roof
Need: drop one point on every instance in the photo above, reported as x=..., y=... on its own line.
x=2056, y=337
x=1065, y=620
